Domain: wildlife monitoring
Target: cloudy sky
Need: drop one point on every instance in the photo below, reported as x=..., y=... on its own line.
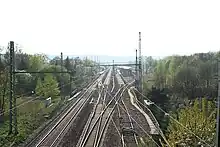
x=101, y=27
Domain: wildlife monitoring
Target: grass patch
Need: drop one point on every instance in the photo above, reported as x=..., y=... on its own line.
x=30, y=116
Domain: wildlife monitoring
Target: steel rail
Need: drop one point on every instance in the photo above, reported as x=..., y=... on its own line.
x=111, y=112
x=113, y=84
x=56, y=141
x=130, y=121
x=100, y=120
x=56, y=118
x=92, y=115
x=60, y=121
x=69, y=110
x=102, y=101
x=106, y=86
x=109, y=116
x=83, y=143
x=120, y=78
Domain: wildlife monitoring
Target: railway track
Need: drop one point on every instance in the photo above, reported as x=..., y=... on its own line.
x=110, y=113
x=103, y=104
x=55, y=134
x=128, y=135
x=88, y=139
x=93, y=135
x=143, y=125
x=132, y=124
x=96, y=117
x=53, y=137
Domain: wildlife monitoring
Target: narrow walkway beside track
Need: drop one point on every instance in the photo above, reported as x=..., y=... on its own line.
x=153, y=128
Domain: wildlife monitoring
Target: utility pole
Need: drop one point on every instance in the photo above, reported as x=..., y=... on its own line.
x=136, y=73
x=99, y=64
x=113, y=67
x=218, y=113
x=61, y=76
x=12, y=98
x=140, y=68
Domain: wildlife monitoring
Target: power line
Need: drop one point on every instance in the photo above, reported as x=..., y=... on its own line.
x=29, y=100
x=140, y=126
x=167, y=114
x=12, y=98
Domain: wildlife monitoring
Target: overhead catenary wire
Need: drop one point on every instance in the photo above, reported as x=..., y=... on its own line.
x=157, y=124
x=140, y=126
x=167, y=114
x=23, y=103
x=26, y=94
x=160, y=131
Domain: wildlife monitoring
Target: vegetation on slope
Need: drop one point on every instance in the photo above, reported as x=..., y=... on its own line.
x=200, y=121
x=31, y=90
x=179, y=81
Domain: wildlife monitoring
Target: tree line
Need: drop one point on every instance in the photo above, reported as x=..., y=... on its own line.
x=185, y=76
x=186, y=87
x=41, y=84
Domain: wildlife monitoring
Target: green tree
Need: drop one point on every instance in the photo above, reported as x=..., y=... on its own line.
x=24, y=83
x=67, y=64
x=39, y=87
x=36, y=62
x=21, y=61
x=4, y=84
x=160, y=74
x=64, y=77
x=56, y=61
x=187, y=80
x=50, y=86
x=199, y=121
x=47, y=88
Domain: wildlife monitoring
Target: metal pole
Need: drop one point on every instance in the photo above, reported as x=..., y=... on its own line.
x=61, y=77
x=12, y=99
x=99, y=65
x=113, y=66
x=140, y=68
x=11, y=88
x=142, y=76
x=218, y=113
x=136, y=73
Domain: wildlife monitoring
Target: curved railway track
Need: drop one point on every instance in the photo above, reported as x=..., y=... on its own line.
x=101, y=123
x=53, y=137
x=111, y=96
x=97, y=142
x=104, y=127
x=142, y=126
x=128, y=135
x=55, y=134
x=96, y=116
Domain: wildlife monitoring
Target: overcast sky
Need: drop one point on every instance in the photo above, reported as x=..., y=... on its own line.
x=102, y=27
